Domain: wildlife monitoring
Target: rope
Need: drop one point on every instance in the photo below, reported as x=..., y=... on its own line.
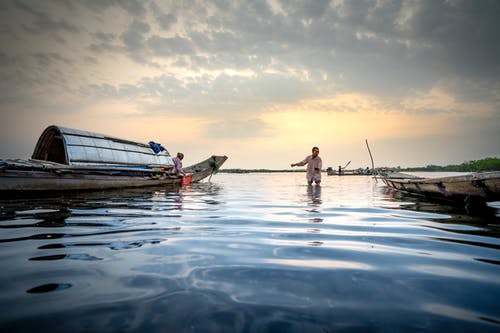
x=467, y=204
x=214, y=166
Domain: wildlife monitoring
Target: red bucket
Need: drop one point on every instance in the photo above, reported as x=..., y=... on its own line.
x=187, y=179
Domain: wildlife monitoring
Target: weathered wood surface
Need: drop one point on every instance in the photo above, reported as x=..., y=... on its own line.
x=32, y=175
x=206, y=168
x=484, y=185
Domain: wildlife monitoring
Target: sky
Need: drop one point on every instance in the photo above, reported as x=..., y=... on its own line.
x=259, y=81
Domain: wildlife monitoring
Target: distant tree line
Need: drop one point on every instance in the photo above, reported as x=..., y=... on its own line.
x=485, y=164
x=258, y=170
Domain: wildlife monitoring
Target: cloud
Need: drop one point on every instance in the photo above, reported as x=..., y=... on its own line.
x=460, y=33
x=50, y=58
x=220, y=94
x=38, y=21
x=166, y=21
x=103, y=43
x=133, y=39
x=373, y=47
x=170, y=46
x=134, y=7
x=235, y=128
x=250, y=61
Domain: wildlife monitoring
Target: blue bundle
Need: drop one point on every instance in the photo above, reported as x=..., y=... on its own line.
x=156, y=147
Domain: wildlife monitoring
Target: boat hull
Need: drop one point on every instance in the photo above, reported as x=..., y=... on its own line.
x=483, y=186
x=45, y=181
x=36, y=176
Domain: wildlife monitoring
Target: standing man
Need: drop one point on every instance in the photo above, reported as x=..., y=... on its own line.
x=314, y=165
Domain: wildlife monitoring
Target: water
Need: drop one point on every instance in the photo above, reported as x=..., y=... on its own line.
x=248, y=253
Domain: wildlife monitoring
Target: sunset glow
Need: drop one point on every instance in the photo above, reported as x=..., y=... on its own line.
x=259, y=81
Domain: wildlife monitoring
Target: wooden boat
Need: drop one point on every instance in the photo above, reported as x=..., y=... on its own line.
x=68, y=159
x=478, y=187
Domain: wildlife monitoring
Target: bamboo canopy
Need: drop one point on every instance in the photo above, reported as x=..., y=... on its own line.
x=75, y=147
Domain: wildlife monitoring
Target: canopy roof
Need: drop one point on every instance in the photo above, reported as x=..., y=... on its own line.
x=74, y=147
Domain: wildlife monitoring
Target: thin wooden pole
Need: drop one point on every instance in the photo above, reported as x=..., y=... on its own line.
x=371, y=157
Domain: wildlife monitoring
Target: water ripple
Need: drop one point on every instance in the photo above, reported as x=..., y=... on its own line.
x=253, y=252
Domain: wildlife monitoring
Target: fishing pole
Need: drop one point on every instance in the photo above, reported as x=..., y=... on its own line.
x=342, y=168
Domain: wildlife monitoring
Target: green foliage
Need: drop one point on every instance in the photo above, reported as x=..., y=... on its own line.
x=485, y=164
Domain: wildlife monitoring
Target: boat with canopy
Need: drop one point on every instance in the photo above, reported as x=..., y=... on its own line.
x=70, y=159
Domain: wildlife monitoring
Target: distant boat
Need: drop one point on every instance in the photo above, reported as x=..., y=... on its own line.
x=480, y=186
x=69, y=159
x=358, y=172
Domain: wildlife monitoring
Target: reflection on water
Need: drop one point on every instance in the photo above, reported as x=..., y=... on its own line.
x=314, y=194
x=248, y=253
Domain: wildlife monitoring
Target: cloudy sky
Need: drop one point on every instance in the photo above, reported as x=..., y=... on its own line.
x=260, y=81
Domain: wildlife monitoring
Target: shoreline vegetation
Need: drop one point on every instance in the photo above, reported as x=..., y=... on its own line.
x=485, y=164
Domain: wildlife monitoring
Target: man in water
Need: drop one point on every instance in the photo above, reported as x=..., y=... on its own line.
x=314, y=165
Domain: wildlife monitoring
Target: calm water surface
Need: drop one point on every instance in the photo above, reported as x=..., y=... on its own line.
x=248, y=253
